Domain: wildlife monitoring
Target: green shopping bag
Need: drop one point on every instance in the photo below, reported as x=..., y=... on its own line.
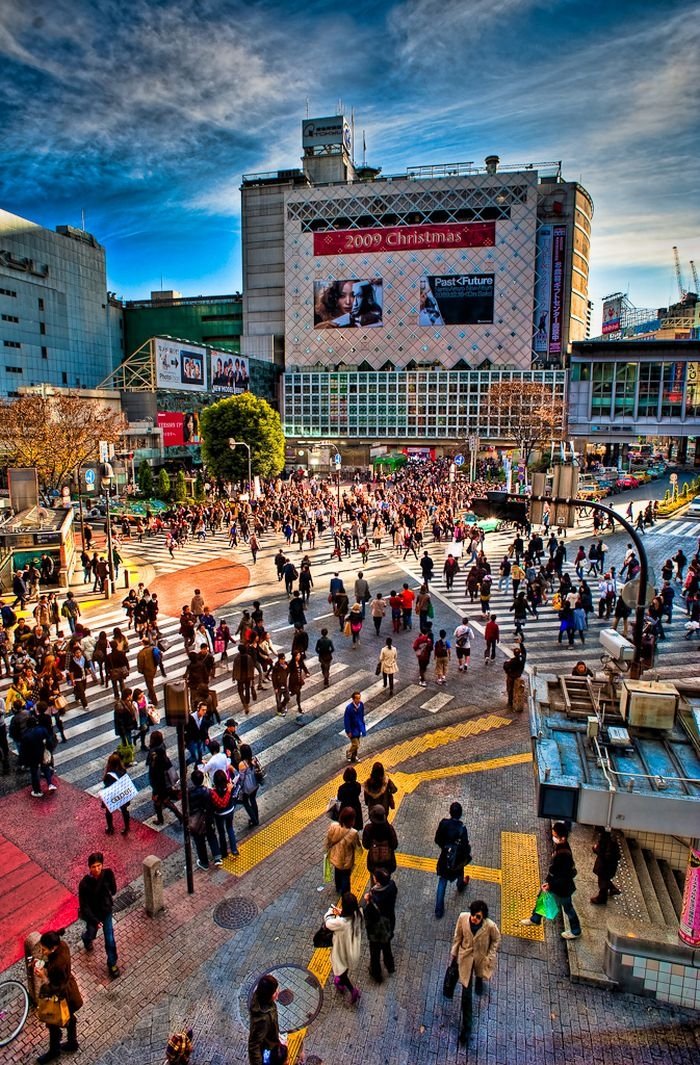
x=547, y=905
x=327, y=869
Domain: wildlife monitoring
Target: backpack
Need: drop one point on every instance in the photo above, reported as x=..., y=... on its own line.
x=440, y=649
x=456, y=855
x=381, y=854
x=9, y=617
x=294, y=573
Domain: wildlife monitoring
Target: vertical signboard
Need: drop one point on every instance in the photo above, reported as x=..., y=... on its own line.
x=543, y=290
x=557, y=297
x=612, y=315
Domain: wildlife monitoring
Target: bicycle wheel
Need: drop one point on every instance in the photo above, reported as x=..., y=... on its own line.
x=14, y=1008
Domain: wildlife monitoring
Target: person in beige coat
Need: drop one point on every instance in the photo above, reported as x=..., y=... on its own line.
x=342, y=844
x=388, y=664
x=474, y=945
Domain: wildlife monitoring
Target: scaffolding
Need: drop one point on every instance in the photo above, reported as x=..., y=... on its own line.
x=137, y=373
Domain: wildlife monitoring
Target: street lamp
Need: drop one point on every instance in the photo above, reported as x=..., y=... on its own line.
x=107, y=476
x=233, y=444
x=338, y=464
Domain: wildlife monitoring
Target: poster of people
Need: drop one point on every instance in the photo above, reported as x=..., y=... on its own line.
x=180, y=367
x=456, y=299
x=357, y=302
x=179, y=428
x=229, y=373
x=612, y=315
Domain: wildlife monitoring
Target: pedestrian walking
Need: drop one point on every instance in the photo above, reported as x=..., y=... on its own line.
x=388, y=664
x=264, y=1042
x=251, y=775
x=342, y=846
x=296, y=680
x=349, y=794
x=33, y=742
x=280, y=683
x=380, y=923
x=380, y=841
x=423, y=646
x=379, y=789
x=607, y=852
x=114, y=771
x=354, y=725
x=161, y=777
x=463, y=636
x=450, y=571
x=224, y=798
x=57, y=981
x=325, y=651
x=201, y=821
x=455, y=852
x=96, y=893
x=492, y=636
x=377, y=609
x=355, y=624
x=560, y=881
x=147, y=665
x=442, y=652
x=474, y=947
x=514, y=668
x=345, y=922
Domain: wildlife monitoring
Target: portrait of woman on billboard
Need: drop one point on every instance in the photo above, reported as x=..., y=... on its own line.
x=348, y=304
x=190, y=427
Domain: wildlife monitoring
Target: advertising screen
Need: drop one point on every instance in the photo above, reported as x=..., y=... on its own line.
x=179, y=427
x=406, y=238
x=612, y=314
x=180, y=367
x=456, y=299
x=228, y=373
x=352, y=302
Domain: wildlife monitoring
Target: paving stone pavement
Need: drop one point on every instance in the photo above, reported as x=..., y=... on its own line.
x=181, y=968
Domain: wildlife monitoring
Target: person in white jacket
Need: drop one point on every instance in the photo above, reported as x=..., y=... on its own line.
x=345, y=922
x=388, y=664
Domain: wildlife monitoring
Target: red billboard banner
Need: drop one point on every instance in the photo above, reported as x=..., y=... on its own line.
x=179, y=427
x=406, y=238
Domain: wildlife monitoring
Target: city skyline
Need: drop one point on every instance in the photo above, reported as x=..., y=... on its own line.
x=147, y=126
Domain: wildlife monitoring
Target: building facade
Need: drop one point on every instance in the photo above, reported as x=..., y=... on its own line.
x=55, y=325
x=215, y=321
x=396, y=301
x=619, y=392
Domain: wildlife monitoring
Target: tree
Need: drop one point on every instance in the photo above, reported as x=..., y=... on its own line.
x=55, y=433
x=180, y=489
x=527, y=411
x=199, y=487
x=145, y=479
x=163, y=485
x=245, y=418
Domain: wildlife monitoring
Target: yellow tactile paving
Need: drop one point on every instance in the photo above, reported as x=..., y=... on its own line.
x=427, y=865
x=520, y=884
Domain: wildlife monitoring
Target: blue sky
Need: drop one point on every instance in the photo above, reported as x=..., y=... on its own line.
x=145, y=114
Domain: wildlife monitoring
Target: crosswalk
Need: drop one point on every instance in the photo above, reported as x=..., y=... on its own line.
x=674, y=655
x=678, y=529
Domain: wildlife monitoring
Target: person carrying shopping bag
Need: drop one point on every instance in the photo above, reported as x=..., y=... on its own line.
x=345, y=922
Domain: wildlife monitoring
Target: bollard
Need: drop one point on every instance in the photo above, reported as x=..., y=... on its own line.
x=126, y=578
x=31, y=955
x=153, y=885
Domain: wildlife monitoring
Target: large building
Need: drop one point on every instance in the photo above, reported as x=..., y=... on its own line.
x=56, y=323
x=397, y=301
x=214, y=321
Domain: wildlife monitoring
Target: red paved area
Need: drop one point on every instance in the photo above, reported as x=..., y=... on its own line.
x=44, y=846
x=220, y=580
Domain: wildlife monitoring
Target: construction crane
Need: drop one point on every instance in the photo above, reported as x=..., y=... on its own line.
x=694, y=272
x=679, y=276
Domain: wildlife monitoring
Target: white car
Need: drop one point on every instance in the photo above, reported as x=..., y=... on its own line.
x=693, y=510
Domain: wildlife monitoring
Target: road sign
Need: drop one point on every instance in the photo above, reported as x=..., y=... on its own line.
x=459, y=460
x=673, y=478
x=90, y=477
x=338, y=459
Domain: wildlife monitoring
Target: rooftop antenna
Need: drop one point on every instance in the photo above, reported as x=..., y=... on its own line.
x=307, y=107
x=364, y=149
x=352, y=129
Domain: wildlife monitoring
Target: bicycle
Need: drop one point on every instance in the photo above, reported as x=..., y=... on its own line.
x=14, y=1010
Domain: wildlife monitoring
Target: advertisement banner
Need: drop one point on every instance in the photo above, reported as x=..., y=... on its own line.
x=612, y=315
x=228, y=373
x=456, y=299
x=179, y=427
x=356, y=302
x=406, y=238
x=557, y=297
x=543, y=290
x=180, y=367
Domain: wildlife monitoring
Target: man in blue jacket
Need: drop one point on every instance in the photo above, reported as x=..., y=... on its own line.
x=354, y=724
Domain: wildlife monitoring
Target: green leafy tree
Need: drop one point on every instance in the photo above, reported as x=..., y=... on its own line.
x=145, y=479
x=180, y=490
x=199, y=488
x=245, y=418
x=163, y=485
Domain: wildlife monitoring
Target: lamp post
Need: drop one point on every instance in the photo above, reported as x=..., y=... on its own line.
x=107, y=476
x=338, y=464
x=233, y=444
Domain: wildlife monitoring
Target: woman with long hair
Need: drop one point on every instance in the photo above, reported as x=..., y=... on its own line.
x=223, y=802
x=158, y=764
x=264, y=1034
x=345, y=922
x=342, y=844
x=379, y=789
x=59, y=982
x=114, y=771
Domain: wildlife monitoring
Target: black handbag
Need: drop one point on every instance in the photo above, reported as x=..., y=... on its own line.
x=323, y=937
x=451, y=977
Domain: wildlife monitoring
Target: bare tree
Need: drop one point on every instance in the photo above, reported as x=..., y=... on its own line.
x=55, y=433
x=527, y=411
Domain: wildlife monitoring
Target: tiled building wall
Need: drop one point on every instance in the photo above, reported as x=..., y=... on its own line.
x=673, y=849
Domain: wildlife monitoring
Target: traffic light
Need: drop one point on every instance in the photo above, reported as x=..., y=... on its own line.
x=498, y=505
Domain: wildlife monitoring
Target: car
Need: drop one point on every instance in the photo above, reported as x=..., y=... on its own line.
x=628, y=481
x=588, y=492
x=693, y=510
x=487, y=524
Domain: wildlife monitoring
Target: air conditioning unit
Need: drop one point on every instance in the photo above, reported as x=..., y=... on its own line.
x=648, y=704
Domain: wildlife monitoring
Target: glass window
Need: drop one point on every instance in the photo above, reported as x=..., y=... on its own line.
x=625, y=384
x=692, y=390
x=649, y=385
x=672, y=395
x=601, y=396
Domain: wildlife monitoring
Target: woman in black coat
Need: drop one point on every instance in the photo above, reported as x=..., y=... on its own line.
x=380, y=841
x=60, y=982
x=349, y=795
x=158, y=764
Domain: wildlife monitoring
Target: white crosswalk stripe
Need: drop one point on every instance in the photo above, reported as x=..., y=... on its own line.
x=679, y=529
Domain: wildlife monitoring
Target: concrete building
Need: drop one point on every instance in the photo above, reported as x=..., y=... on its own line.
x=55, y=317
x=396, y=300
x=215, y=321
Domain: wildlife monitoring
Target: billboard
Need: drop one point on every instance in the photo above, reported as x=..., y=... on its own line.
x=324, y=132
x=405, y=238
x=456, y=299
x=543, y=290
x=179, y=428
x=228, y=374
x=348, y=303
x=180, y=367
x=612, y=314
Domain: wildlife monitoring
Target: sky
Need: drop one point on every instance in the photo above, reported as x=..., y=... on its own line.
x=143, y=115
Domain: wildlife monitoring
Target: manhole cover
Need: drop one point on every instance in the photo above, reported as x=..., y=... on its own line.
x=300, y=997
x=125, y=899
x=235, y=913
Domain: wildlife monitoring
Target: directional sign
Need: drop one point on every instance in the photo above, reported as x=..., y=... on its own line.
x=673, y=478
x=90, y=477
x=338, y=459
x=459, y=460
